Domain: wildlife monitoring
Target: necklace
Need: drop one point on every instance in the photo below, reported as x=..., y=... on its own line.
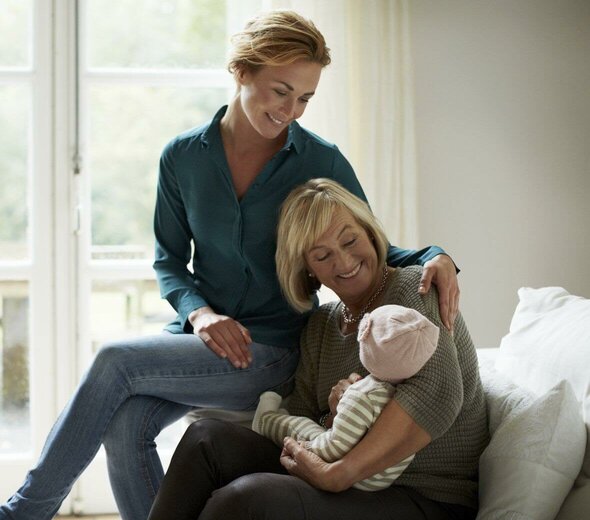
x=348, y=318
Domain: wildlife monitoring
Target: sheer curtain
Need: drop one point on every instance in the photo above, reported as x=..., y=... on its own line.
x=364, y=103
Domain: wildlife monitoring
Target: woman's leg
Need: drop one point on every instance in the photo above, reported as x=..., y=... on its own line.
x=211, y=455
x=176, y=368
x=220, y=470
x=269, y=496
x=134, y=467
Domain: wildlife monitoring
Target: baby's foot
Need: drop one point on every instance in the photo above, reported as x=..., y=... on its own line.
x=269, y=402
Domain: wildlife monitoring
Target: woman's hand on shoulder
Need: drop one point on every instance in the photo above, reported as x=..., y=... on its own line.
x=442, y=272
x=223, y=335
x=308, y=466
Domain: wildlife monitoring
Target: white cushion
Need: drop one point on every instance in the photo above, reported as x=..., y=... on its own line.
x=549, y=341
x=550, y=336
x=535, y=450
x=503, y=397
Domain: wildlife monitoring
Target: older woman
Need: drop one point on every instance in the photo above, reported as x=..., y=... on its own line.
x=328, y=236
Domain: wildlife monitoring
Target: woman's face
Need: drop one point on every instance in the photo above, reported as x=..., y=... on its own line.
x=274, y=96
x=344, y=259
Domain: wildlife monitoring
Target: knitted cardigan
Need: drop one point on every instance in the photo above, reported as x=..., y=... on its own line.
x=445, y=397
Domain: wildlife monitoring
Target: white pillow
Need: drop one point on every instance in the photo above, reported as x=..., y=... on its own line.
x=503, y=397
x=549, y=341
x=534, y=454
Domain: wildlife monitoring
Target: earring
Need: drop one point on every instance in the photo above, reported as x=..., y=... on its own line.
x=311, y=275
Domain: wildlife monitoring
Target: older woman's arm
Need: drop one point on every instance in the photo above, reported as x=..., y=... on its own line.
x=393, y=437
x=423, y=408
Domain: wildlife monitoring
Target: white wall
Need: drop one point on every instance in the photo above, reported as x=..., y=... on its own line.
x=503, y=135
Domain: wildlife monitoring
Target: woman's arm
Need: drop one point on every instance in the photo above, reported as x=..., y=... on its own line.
x=394, y=437
x=173, y=243
x=423, y=408
x=440, y=270
x=351, y=423
x=222, y=334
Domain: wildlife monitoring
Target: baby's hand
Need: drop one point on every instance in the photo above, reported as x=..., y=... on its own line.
x=354, y=377
x=338, y=391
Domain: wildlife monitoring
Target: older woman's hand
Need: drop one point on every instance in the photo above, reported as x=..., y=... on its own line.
x=308, y=466
x=442, y=272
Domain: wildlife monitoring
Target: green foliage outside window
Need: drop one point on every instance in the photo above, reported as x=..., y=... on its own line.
x=157, y=33
x=14, y=127
x=130, y=125
x=15, y=24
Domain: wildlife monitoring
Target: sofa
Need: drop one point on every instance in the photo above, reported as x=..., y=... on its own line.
x=537, y=386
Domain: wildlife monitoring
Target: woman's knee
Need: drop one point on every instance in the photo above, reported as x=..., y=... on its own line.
x=111, y=356
x=210, y=435
x=254, y=497
x=212, y=431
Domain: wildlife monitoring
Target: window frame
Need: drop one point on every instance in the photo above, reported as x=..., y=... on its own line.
x=60, y=269
x=36, y=270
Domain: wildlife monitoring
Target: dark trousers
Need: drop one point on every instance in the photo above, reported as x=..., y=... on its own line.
x=221, y=471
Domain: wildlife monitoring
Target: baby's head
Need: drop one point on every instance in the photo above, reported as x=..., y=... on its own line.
x=395, y=342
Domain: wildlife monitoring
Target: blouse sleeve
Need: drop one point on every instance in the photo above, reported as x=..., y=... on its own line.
x=173, y=243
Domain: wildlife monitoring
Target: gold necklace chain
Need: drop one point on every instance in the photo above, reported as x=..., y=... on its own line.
x=348, y=318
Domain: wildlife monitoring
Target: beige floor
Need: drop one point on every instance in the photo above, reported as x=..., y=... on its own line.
x=108, y=517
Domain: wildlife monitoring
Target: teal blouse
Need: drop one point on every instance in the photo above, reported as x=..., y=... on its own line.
x=232, y=265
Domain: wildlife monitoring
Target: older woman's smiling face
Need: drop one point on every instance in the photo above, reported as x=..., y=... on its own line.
x=344, y=259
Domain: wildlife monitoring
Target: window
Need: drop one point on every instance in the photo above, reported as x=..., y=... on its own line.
x=81, y=131
x=16, y=160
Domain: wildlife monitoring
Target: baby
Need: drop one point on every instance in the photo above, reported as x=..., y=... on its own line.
x=395, y=342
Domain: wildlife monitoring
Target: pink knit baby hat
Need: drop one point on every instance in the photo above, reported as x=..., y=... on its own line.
x=396, y=342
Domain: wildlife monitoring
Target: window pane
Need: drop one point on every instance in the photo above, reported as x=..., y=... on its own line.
x=15, y=28
x=129, y=126
x=156, y=33
x=14, y=143
x=15, y=430
x=126, y=308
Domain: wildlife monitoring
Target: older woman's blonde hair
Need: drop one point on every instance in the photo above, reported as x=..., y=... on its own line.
x=305, y=215
x=277, y=38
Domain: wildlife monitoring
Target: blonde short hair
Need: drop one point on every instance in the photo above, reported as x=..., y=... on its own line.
x=277, y=38
x=305, y=215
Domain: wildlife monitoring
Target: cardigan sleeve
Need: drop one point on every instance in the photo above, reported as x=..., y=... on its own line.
x=433, y=397
x=304, y=399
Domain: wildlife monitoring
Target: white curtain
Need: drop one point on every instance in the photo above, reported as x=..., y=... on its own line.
x=364, y=103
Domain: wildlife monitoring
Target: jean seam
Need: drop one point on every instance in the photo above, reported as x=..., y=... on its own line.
x=230, y=369
x=62, y=493
x=144, y=462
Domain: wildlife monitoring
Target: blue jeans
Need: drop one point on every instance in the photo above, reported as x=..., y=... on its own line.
x=133, y=390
